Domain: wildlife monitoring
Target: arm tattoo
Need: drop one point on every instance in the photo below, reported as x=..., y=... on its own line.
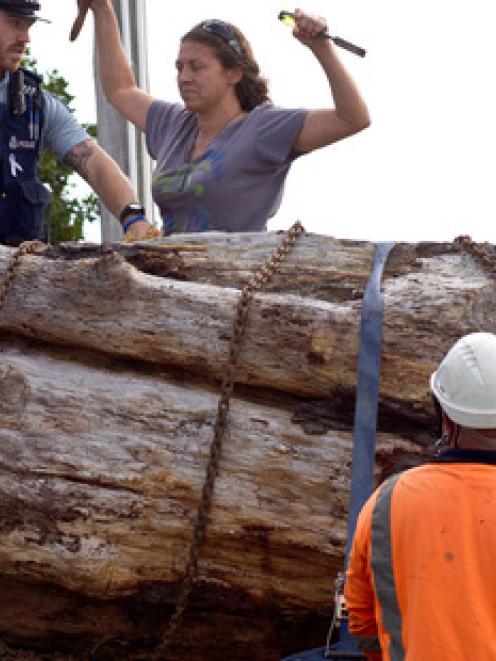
x=77, y=158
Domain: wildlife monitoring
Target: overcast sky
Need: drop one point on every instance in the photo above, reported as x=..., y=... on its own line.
x=425, y=168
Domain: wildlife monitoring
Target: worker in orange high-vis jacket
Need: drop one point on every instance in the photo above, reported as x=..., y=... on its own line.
x=421, y=580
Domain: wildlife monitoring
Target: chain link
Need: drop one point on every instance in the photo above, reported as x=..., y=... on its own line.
x=239, y=326
x=483, y=253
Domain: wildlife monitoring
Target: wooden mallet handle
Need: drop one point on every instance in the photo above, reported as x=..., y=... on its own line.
x=84, y=5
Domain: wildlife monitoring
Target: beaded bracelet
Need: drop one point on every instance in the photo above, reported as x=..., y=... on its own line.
x=134, y=219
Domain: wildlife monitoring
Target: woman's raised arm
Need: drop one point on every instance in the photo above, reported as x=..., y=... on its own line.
x=350, y=114
x=116, y=76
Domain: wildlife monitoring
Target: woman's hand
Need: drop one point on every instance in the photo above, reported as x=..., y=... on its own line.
x=93, y=4
x=309, y=29
x=349, y=114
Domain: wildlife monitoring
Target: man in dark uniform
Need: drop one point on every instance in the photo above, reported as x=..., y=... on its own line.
x=32, y=120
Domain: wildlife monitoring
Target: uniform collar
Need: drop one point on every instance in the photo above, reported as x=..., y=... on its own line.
x=458, y=456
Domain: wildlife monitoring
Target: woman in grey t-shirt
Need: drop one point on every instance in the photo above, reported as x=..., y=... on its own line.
x=223, y=155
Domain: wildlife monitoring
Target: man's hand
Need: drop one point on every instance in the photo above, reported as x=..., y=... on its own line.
x=142, y=230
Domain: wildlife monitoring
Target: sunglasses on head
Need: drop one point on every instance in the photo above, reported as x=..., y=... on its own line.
x=224, y=32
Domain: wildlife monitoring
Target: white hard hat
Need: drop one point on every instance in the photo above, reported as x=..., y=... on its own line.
x=465, y=381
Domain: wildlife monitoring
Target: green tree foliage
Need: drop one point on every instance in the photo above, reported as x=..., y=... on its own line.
x=67, y=211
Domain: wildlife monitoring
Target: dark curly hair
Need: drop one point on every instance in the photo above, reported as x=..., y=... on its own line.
x=252, y=89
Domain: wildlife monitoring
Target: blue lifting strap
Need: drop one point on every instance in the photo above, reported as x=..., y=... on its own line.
x=365, y=428
x=367, y=391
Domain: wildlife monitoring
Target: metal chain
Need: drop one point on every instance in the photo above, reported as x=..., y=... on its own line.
x=239, y=326
x=465, y=242
x=261, y=278
x=481, y=252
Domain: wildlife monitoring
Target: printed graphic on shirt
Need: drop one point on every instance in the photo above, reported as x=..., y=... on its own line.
x=181, y=193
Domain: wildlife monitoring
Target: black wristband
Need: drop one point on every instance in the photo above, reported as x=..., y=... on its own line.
x=133, y=209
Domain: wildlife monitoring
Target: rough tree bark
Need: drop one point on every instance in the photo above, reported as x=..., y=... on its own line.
x=108, y=393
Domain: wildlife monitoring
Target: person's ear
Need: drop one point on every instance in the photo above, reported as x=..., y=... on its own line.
x=235, y=74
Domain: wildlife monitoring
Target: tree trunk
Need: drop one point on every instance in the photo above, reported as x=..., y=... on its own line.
x=109, y=384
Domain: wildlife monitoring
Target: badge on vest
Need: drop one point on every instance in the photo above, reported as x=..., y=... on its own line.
x=16, y=143
x=14, y=166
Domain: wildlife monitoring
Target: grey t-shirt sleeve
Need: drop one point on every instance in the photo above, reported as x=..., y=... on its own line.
x=164, y=122
x=61, y=131
x=277, y=132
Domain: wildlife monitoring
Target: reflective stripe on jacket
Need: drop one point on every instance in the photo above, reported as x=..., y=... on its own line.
x=422, y=570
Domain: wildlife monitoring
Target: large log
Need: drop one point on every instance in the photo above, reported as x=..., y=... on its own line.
x=294, y=343
x=109, y=383
x=99, y=483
